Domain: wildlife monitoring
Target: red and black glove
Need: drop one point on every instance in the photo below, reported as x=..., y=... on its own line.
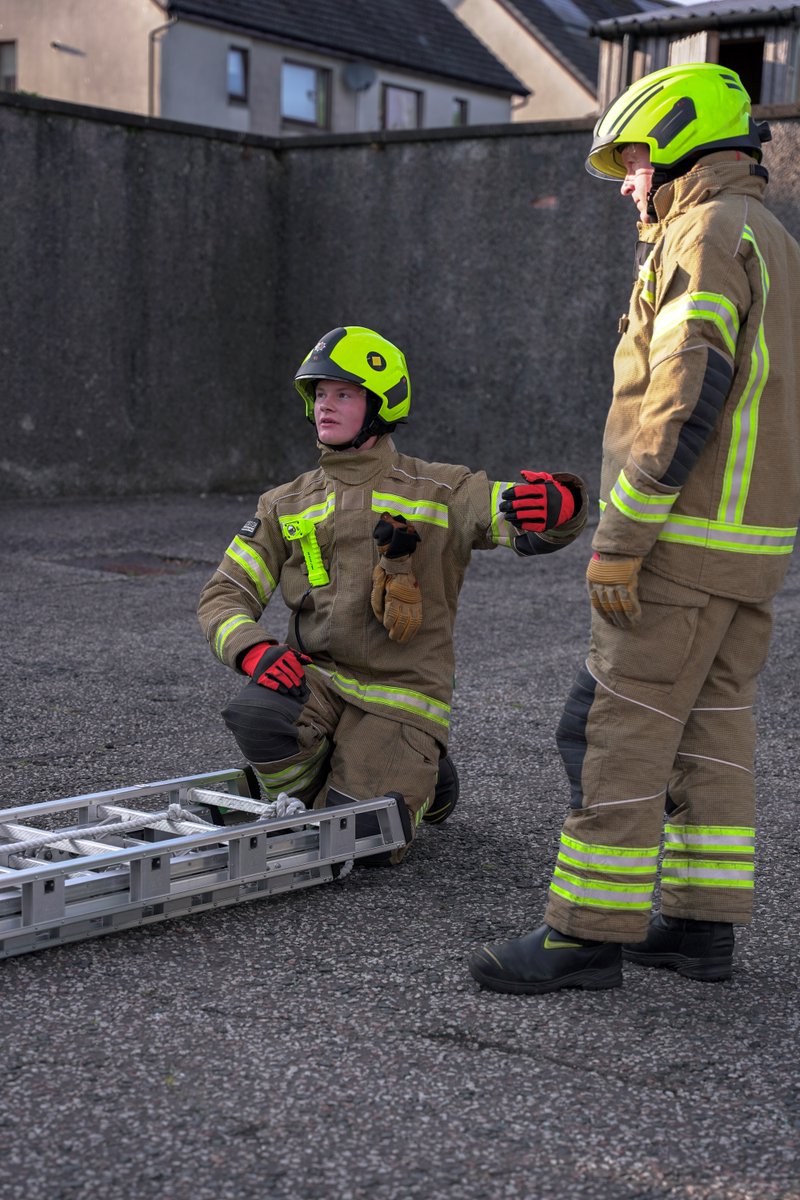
x=277, y=667
x=538, y=504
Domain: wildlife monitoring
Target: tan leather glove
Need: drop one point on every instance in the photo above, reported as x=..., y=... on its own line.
x=613, y=583
x=396, y=599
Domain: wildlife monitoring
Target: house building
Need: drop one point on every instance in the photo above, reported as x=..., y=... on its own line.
x=549, y=46
x=759, y=39
x=273, y=67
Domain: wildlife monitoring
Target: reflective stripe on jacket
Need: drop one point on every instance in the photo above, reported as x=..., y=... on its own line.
x=701, y=453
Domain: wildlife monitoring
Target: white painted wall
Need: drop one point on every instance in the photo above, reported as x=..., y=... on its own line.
x=95, y=69
x=555, y=93
x=194, y=86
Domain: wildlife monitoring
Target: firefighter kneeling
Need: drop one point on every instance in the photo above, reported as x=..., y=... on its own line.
x=369, y=550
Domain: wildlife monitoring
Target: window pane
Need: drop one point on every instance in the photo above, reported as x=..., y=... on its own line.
x=460, y=111
x=8, y=66
x=299, y=93
x=401, y=108
x=237, y=73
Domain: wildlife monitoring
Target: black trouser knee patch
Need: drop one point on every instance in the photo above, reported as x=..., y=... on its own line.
x=263, y=723
x=571, y=732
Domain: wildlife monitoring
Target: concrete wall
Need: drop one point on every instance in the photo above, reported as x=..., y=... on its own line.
x=162, y=283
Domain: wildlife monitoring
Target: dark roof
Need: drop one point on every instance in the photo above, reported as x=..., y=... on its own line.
x=419, y=35
x=564, y=27
x=710, y=15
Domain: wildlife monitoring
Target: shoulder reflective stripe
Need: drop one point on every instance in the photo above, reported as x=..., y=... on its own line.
x=391, y=697
x=741, y=452
x=716, y=535
x=700, y=306
x=253, y=566
x=226, y=629
x=605, y=894
x=640, y=506
x=315, y=512
x=701, y=872
x=426, y=512
x=503, y=532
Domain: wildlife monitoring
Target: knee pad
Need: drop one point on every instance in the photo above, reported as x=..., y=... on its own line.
x=263, y=723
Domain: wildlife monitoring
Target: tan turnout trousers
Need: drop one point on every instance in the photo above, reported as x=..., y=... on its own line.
x=670, y=724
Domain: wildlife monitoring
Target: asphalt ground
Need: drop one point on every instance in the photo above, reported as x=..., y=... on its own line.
x=330, y=1042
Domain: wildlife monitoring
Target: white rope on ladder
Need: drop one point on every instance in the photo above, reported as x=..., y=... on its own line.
x=20, y=840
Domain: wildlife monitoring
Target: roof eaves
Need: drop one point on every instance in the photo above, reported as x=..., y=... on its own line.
x=676, y=21
x=185, y=8
x=566, y=63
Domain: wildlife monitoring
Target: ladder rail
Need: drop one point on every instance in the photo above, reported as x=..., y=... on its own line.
x=92, y=887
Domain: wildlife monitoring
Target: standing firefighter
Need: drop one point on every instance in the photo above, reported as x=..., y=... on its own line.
x=369, y=550
x=700, y=497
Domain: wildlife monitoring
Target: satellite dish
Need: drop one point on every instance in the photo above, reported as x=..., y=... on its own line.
x=357, y=76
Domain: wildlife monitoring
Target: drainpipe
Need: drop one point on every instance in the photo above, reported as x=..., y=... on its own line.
x=151, y=60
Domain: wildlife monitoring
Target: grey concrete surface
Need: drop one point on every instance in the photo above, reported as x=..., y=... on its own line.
x=330, y=1043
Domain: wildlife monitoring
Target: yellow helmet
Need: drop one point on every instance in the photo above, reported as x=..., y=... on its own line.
x=360, y=356
x=680, y=112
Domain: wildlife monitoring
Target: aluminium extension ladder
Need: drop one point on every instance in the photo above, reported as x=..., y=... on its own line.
x=116, y=866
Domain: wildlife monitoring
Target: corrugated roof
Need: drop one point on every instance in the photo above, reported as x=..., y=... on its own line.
x=420, y=35
x=564, y=27
x=709, y=15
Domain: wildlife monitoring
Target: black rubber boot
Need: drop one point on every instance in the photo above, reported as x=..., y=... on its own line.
x=445, y=797
x=546, y=961
x=695, y=949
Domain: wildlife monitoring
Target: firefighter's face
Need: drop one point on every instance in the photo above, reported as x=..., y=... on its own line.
x=339, y=410
x=639, y=176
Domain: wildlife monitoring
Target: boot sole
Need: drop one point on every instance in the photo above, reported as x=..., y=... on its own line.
x=590, y=981
x=707, y=970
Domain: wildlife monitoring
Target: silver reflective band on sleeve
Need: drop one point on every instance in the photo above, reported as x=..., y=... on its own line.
x=425, y=512
x=253, y=566
x=700, y=306
x=640, y=506
x=503, y=532
x=226, y=629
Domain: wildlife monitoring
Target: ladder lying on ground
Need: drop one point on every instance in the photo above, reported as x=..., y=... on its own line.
x=116, y=866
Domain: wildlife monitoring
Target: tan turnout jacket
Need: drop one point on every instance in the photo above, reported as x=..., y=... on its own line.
x=701, y=454
x=455, y=512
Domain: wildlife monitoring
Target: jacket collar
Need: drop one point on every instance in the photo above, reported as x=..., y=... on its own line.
x=357, y=466
x=719, y=172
